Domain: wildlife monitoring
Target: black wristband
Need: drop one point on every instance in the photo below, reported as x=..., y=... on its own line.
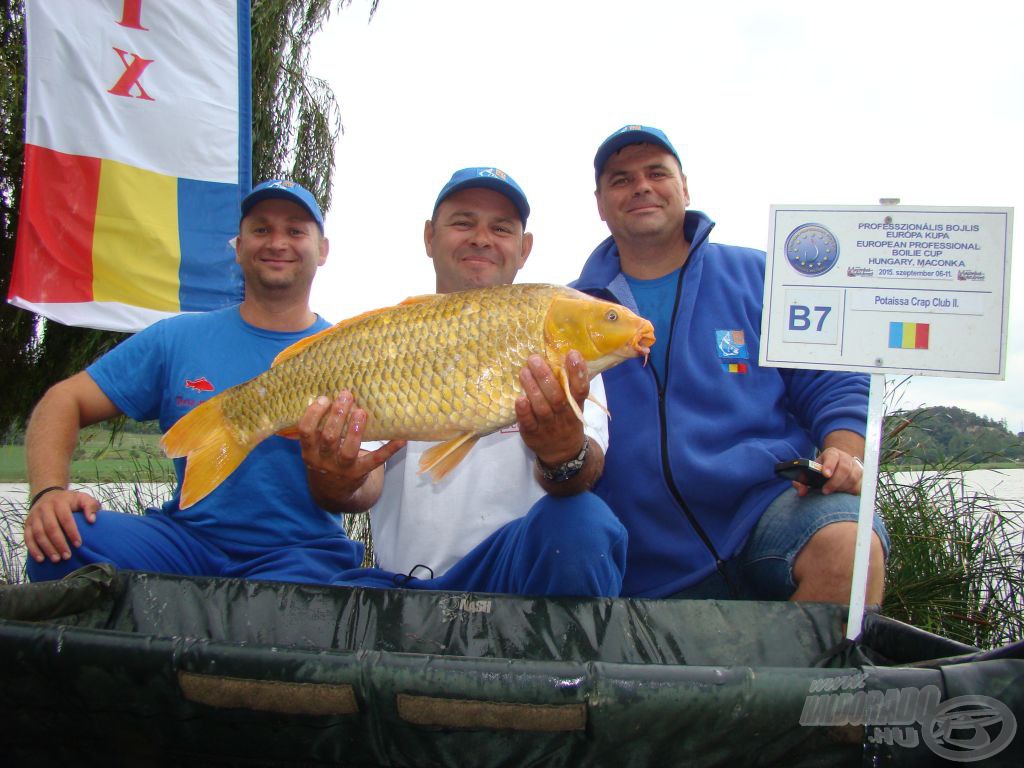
x=43, y=492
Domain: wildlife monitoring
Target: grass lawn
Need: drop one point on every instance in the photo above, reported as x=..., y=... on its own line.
x=129, y=456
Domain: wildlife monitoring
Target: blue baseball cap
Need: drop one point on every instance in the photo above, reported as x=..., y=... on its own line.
x=488, y=178
x=284, y=190
x=626, y=135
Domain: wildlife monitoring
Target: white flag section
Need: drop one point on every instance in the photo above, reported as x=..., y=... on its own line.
x=174, y=62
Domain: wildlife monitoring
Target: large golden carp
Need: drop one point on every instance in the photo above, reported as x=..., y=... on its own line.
x=438, y=367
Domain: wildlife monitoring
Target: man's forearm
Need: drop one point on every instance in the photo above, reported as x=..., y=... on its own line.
x=50, y=442
x=335, y=496
x=846, y=441
x=52, y=433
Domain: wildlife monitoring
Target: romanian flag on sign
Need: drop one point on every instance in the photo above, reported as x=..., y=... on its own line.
x=908, y=335
x=137, y=153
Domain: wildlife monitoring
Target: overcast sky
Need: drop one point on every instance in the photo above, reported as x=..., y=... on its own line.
x=781, y=103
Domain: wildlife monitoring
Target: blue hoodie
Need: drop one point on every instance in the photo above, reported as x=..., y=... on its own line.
x=690, y=466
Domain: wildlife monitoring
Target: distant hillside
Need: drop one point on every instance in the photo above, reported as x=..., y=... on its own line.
x=939, y=433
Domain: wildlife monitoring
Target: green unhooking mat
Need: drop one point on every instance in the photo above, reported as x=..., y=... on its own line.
x=131, y=668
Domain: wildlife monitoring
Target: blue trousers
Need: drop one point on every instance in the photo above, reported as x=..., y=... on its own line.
x=155, y=542
x=564, y=546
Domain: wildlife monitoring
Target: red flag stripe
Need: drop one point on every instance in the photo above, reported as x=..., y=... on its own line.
x=58, y=213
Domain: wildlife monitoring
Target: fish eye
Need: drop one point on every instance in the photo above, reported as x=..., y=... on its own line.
x=612, y=316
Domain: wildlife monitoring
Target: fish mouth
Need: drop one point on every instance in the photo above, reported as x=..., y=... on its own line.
x=642, y=342
x=638, y=346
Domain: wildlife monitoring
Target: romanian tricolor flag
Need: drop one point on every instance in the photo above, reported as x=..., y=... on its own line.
x=137, y=152
x=908, y=335
x=734, y=367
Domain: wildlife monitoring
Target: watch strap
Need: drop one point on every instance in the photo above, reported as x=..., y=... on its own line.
x=567, y=469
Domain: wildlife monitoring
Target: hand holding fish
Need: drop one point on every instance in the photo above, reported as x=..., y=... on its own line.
x=330, y=435
x=547, y=422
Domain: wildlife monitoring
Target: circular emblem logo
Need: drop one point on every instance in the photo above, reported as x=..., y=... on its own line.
x=959, y=729
x=812, y=249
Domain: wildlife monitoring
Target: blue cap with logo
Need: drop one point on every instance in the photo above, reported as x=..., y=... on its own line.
x=626, y=135
x=284, y=190
x=488, y=178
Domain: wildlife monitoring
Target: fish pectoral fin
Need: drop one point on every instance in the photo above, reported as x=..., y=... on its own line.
x=599, y=404
x=211, y=450
x=442, y=458
x=563, y=377
x=289, y=433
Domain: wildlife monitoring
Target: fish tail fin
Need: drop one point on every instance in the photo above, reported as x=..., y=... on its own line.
x=212, y=451
x=563, y=377
x=442, y=458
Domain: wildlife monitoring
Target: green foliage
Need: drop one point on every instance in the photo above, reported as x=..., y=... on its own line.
x=103, y=455
x=18, y=353
x=933, y=433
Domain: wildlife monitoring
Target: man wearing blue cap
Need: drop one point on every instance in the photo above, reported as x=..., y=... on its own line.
x=697, y=433
x=276, y=517
x=516, y=517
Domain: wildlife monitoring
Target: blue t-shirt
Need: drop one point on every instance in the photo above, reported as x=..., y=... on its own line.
x=174, y=365
x=655, y=300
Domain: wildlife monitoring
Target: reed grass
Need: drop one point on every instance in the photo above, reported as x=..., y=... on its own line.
x=956, y=567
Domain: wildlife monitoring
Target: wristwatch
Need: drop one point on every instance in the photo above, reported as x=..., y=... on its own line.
x=567, y=469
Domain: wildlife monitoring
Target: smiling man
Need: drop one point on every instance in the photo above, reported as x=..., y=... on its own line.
x=274, y=518
x=517, y=517
x=476, y=235
x=697, y=433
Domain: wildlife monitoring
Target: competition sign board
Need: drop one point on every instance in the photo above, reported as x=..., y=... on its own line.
x=888, y=289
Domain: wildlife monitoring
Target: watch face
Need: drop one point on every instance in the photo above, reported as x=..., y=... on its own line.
x=812, y=249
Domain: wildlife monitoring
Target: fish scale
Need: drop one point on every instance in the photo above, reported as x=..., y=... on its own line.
x=439, y=367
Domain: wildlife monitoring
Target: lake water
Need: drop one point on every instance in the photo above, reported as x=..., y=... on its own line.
x=1004, y=485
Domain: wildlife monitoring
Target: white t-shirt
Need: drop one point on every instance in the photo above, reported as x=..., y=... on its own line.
x=419, y=522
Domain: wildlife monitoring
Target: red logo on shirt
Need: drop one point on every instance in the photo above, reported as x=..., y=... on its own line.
x=199, y=385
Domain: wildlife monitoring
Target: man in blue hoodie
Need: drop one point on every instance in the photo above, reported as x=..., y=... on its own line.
x=696, y=434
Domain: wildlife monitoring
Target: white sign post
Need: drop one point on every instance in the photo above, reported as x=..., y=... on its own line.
x=886, y=290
